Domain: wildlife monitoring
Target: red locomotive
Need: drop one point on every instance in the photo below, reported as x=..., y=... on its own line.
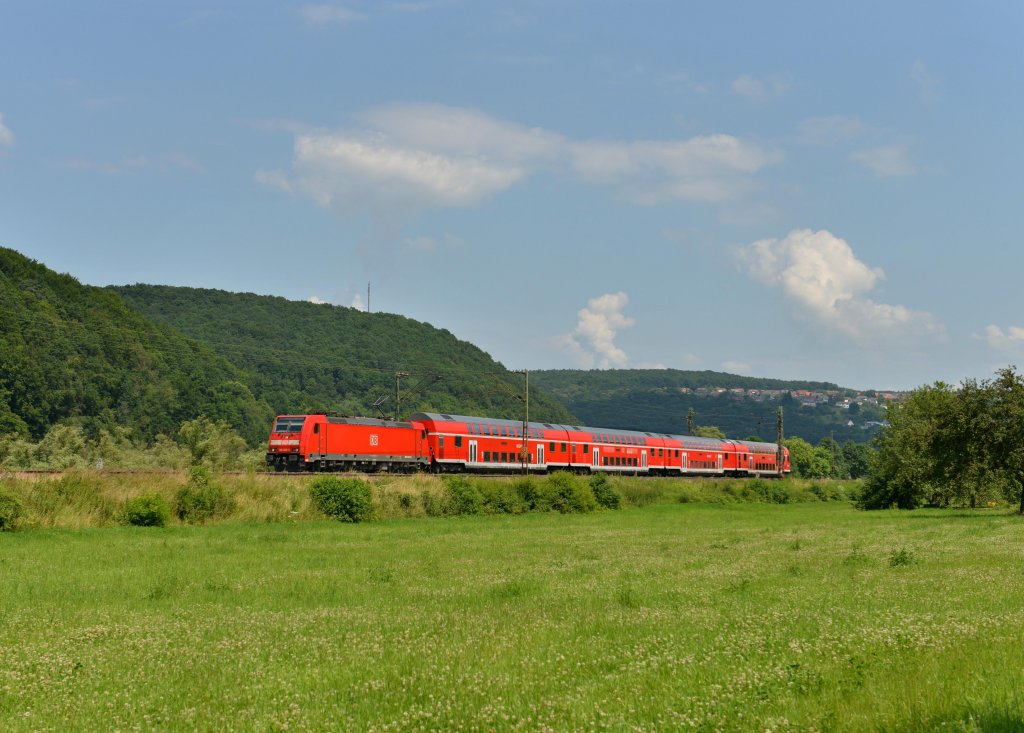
x=456, y=443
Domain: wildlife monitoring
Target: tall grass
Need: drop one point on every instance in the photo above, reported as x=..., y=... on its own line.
x=84, y=498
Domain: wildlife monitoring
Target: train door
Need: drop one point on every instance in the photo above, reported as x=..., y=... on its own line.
x=683, y=464
x=472, y=451
x=321, y=439
x=540, y=454
x=719, y=461
x=643, y=458
x=596, y=454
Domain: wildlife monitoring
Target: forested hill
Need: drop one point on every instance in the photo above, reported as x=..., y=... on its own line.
x=301, y=356
x=659, y=399
x=70, y=351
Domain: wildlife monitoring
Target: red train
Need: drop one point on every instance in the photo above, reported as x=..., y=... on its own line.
x=456, y=443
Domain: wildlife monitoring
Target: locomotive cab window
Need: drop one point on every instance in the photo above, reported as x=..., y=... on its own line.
x=289, y=425
x=458, y=441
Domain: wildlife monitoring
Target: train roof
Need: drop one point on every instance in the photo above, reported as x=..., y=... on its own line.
x=689, y=441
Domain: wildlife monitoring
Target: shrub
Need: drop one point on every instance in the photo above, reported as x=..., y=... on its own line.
x=530, y=492
x=461, y=496
x=641, y=493
x=568, y=495
x=604, y=492
x=432, y=505
x=11, y=512
x=199, y=500
x=768, y=491
x=344, y=499
x=827, y=491
x=148, y=510
x=901, y=558
x=501, y=497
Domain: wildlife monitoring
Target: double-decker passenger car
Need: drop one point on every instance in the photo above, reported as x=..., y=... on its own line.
x=450, y=443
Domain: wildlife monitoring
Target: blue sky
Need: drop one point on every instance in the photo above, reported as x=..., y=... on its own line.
x=809, y=190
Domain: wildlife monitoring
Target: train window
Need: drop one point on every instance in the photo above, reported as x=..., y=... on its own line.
x=604, y=461
x=563, y=447
x=487, y=456
x=316, y=428
x=504, y=457
x=586, y=447
x=458, y=441
x=574, y=448
x=551, y=447
x=440, y=441
x=289, y=424
x=661, y=452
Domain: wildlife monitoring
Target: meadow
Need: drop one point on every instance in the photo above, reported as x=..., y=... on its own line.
x=675, y=616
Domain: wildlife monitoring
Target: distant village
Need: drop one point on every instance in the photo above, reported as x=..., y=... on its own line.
x=842, y=399
x=806, y=398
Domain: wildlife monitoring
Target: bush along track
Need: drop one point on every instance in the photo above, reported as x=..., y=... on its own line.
x=198, y=496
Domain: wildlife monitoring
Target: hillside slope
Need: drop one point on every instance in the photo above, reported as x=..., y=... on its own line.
x=71, y=351
x=659, y=399
x=301, y=356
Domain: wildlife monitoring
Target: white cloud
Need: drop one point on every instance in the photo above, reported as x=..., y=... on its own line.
x=886, y=161
x=324, y=15
x=429, y=244
x=316, y=301
x=422, y=244
x=760, y=90
x=357, y=302
x=1010, y=340
x=6, y=136
x=928, y=84
x=705, y=168
x=826, y=285
x=460, y=131
x=274, y=179
x=831, y=130
x=593, y=341
x=341, y=172
x=410, y=157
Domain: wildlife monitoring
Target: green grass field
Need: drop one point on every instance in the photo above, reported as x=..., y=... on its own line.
x=746, y=617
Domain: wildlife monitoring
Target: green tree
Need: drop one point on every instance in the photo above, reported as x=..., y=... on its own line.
x=857, y=459
x=979, y=443
x=801, y=455
x=833, y=455
x=211, y=443
x=903, y=471
x=709, y=431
